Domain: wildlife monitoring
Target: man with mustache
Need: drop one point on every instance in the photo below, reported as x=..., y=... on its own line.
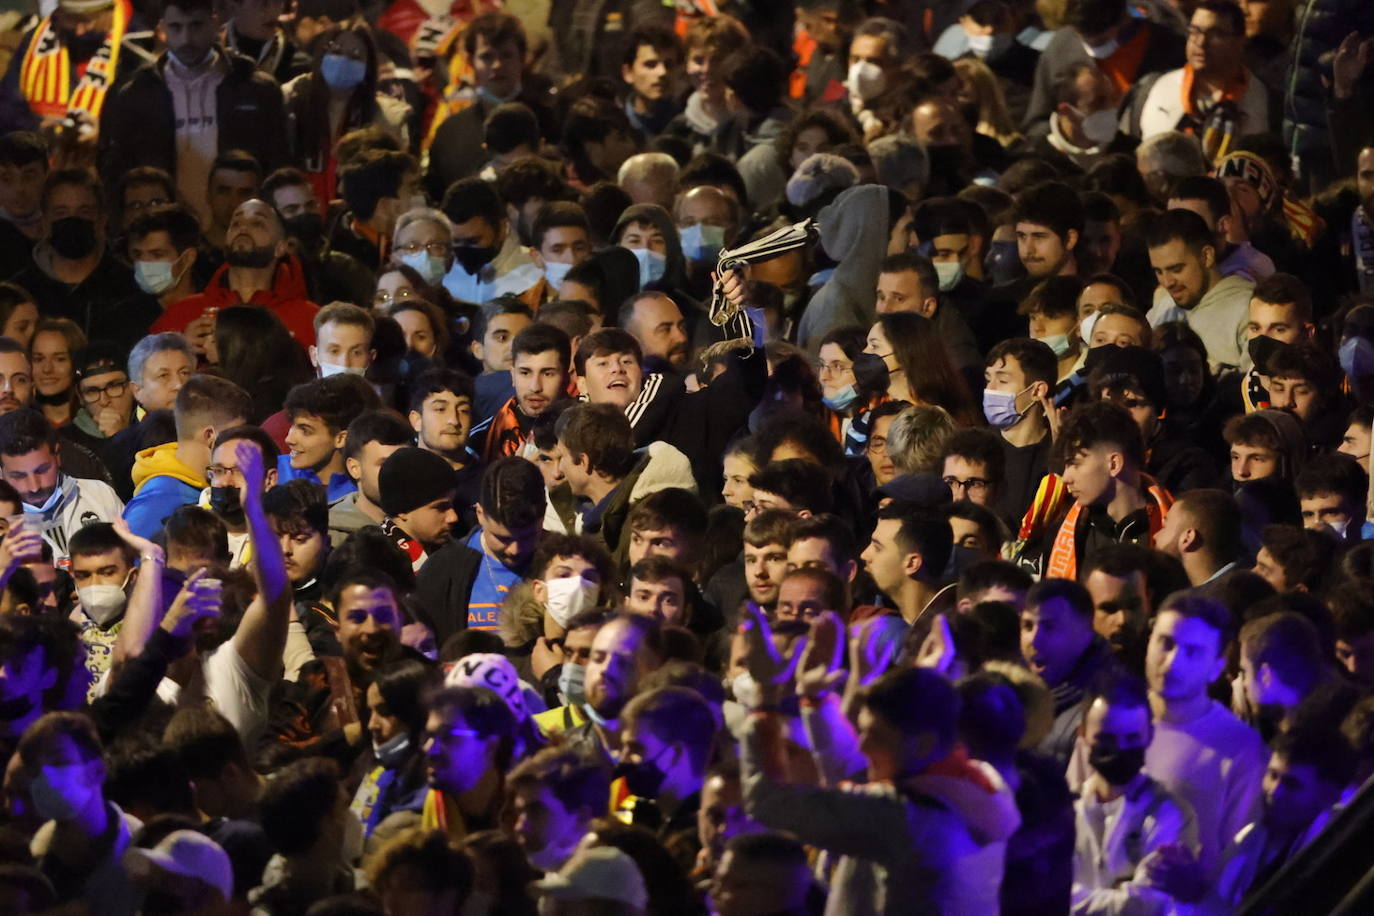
x=661, y=329
x=258, y=270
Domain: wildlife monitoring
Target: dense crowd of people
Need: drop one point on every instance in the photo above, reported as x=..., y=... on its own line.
x=740, y=457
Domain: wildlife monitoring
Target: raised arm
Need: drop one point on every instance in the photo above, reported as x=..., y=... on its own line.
x=144, y=609
x=261, y=637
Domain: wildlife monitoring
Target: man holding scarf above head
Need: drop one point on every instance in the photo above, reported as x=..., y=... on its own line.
x=64, y=68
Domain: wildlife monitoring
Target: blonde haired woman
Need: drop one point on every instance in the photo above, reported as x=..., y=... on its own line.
x=980, y=91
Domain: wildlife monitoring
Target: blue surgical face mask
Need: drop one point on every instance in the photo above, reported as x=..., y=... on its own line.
x=1059, y=343
x=1357, y=357
x=842, y=398
x=342, y=73
x=555, y=272
x=429, y=267
x=154, y=277
x=651, y=265
x=571, y=681
x=950, y=273
x=1000, y=407
x=701, y=242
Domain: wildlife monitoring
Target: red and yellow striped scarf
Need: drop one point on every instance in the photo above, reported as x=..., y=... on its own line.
x=45, y=76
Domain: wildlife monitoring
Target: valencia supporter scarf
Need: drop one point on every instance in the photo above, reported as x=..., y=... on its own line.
x=1217, y=124
x=45, y=75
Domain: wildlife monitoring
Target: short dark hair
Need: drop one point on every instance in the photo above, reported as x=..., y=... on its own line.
x=591, y=119
x=529, y=177
x=916, y=701
x=804, y=484
x=208, y=400
x=1054, y=297
x=981, y=446
x=510, y=126
x=205, y=740
x=977, y=578
x=380, y=425
x=1228, y=11
x=1285, y=289
x=1101, y=423
x=236, y=160
x=707, y=168
x=1217, y=516
x=1211, y=191
x=555, y=544
x=372, y=176
x=197, y=530
x=1308, y=361
x=1093, y=17
x=661, y=39
x=336, y=400
x=23, y=147
x=285, y=177
x=771, y=526
x=1035, y=358
x=436, y=381
x=512, y=493
x=1289, y=644
x=297, y=503
x=97, y=538
x=76, y=726
x=494, y=308
x=25, y=430
x=578, y=781
x=80, y=178
x=911, y=262
x=558, y=214
x=1304, y=555
x=179, y=223
x=1051, y=204
x=1118, y=687
x=541, y=337
x=496, y=29
x=678, y=715
x=604, y=343
x=922, y=531
x=471, y=198
x=1067, y=590
x=671, y=507
x=1098, y=206
x=297, y=801
x=1210, y=611
x=1333, y=473
x=484, y=711
x=254, y=434
x=828, y=527
x=757, y=76
x=1179, y=226
x=602, y=433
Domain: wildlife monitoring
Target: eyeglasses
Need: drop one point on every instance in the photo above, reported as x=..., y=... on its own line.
x=113, y=390
x=968, y=484
x=877, y=445
x=217, y=471
x=835, y=367
x=438, y=249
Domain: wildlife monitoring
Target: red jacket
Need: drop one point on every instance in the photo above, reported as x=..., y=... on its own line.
x=287, y=299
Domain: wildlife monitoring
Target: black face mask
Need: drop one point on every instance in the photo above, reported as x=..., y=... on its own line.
x=871, y=375
x=1264, y=348
x=474, y=258
x=644, y=779
x=307, y=228
x=1117, y=767
x=226, y=503
x=73, y=237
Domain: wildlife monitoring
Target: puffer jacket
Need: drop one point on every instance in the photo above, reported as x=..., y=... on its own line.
x=1321, y=27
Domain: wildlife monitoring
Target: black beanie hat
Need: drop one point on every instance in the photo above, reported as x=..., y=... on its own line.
x=411, y=478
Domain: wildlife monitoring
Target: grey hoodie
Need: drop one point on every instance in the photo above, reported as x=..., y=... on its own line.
x=854, y=232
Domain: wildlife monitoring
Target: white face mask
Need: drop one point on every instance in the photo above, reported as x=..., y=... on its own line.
x=1085, y=327
x=980, y=44
x=746, y=690
x=155, y=277
x=949, y=274
x=1100, y=126
x=555, y=272
x=431, y=268
x=103, y=603
x=865, y=80
x=568, y=597
x=328, y=369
